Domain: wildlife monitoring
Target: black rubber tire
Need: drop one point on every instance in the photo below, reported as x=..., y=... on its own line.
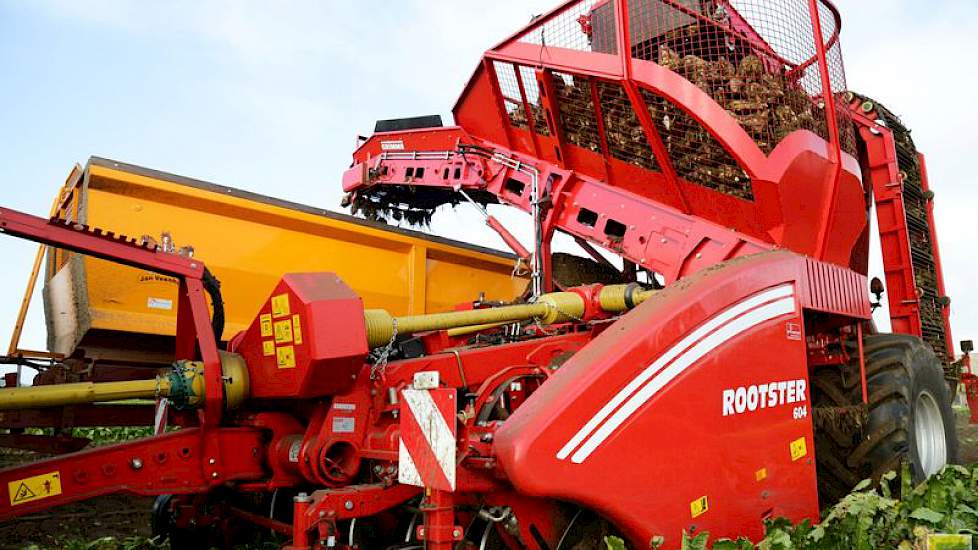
x=163, y=527
x=899, y=368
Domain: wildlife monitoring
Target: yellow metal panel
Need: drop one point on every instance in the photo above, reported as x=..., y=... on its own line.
x=249, y=244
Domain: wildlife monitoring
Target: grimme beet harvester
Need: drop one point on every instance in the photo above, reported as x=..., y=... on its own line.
x=733, y=372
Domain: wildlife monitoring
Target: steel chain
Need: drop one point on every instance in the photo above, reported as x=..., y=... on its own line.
x=377, y=369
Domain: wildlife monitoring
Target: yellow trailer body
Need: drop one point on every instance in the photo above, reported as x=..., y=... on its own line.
x=248, y=241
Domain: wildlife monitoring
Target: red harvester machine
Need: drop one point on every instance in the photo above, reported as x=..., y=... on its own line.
x=732, y=374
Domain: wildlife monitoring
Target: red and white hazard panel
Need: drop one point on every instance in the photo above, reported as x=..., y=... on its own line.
x=427, y=449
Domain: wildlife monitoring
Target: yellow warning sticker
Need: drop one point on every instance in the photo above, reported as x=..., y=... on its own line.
x=798, y=448
x=266, y=324
x=699, y=507
x=34, y=488
x=761, y=474
x=285, y=357
x=283, y=331
x=268, y=348
x=297, y=330
x=280, y=305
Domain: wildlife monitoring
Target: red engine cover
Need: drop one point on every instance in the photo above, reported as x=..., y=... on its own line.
x=691, y=413
x=308, y=340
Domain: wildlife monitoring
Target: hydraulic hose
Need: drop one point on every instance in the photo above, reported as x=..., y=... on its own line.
x=213, y=288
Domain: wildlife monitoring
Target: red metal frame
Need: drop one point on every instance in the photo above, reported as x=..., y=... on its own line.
x=884, y=179
x=180, y=462
x=194, y=336
x=780, y=215
x=938, y=266
x=687, y=373
x=194, y=332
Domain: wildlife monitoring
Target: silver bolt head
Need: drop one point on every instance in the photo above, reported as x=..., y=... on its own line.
x=348, y=505
x=136, y=463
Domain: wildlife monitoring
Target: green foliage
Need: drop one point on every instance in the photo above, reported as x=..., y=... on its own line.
x=143, y=543
x=869, y=518
x=101, y=435
x=105, y=435
x=109, y=543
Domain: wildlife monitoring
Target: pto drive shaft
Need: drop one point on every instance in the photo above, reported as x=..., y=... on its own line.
x=556, y=307
x=183, y=385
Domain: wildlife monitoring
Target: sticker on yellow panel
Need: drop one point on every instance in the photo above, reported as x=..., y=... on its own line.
x=285, y=357
x=34, y=488
x=297, y=330
x=283, y=332
x=266, y=324
x=798, y=448
x=280, y=305
x=699, y=507
x=268, y=348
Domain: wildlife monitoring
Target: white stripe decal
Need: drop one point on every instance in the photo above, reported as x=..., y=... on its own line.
x=407, y=472
x=644, y=376
x=435, y=430
x=697, y=352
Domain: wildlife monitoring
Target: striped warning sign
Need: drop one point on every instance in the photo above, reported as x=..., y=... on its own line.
x=427, y=447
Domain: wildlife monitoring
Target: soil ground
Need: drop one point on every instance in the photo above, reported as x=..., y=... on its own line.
x=126, y=516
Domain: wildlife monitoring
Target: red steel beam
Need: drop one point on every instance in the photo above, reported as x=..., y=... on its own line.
x=173, y=463
x=938, y=266
x=96, y=242
x=884, y=176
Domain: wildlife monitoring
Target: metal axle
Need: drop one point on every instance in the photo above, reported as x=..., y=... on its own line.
x=183, y=385
x=556, y=307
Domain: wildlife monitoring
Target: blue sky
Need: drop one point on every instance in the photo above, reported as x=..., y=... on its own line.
x=269, y=97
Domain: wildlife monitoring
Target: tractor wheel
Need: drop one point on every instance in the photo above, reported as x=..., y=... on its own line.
x=909, y=416
x=164, y=527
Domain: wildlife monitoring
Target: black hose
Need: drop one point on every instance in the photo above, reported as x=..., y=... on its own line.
x=213, y=288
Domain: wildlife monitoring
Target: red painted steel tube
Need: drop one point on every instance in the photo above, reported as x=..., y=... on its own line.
x=938, y=266
x=656, y=143
x=862, y=362
x=624, y=40
x=531, y=117
x=833, y=124
x=262, y=521
x=602, y=137
x=439, y=530
x=96, y=243
x=300, y=532
x=508, y=238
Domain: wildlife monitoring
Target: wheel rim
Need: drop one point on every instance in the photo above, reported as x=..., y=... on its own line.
x=929, y=429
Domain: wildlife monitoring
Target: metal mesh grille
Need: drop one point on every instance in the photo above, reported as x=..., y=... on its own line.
x=532, y=89
x=585, y=26
x=626, y=139
x=696, y=155
x=837, y=74
x=756, y=58
x=576, y=104
x=509, y=87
